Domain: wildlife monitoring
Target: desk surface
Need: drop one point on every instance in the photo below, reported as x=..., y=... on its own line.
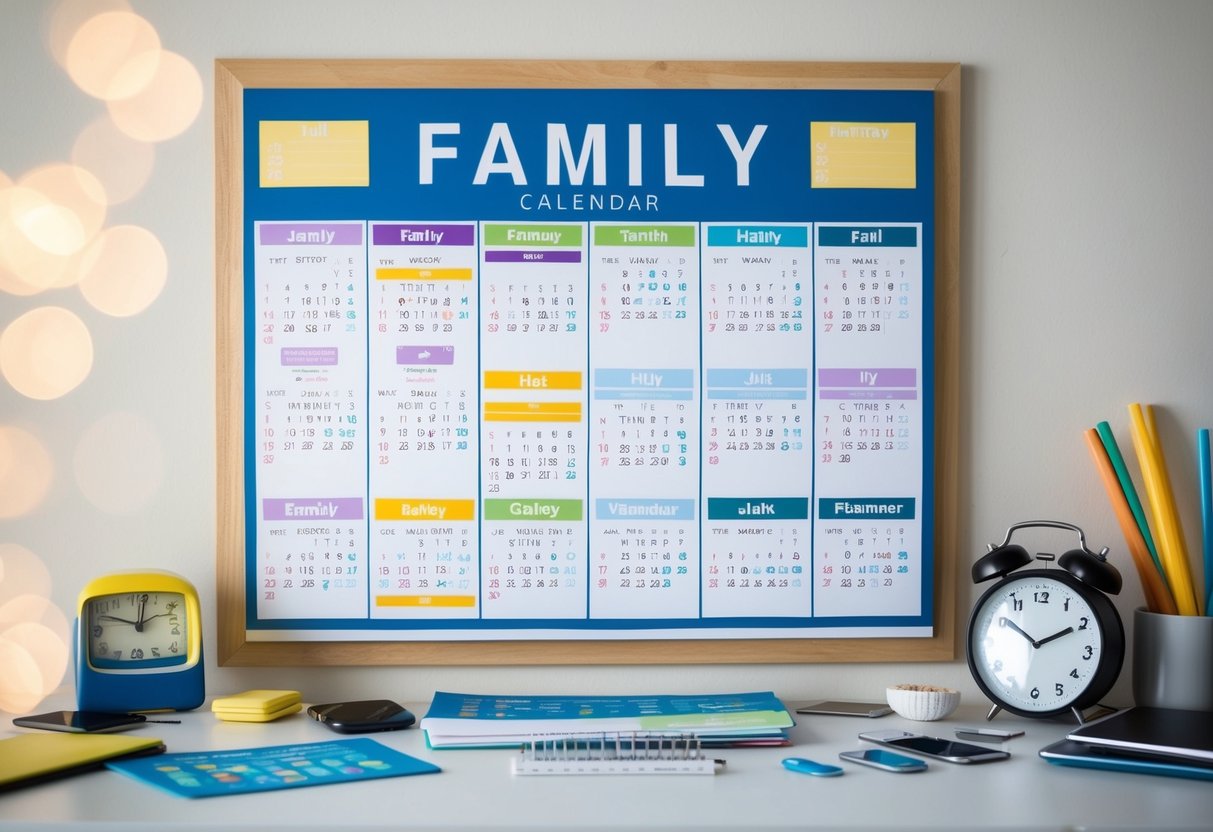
x=476, y=790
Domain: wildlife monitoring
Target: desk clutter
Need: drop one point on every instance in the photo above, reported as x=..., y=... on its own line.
x=257, y=705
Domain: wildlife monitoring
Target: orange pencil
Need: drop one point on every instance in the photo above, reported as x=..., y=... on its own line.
x=1158, y=597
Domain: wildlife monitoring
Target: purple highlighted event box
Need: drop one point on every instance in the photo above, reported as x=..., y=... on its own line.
x=312, y=509
x=309, y=356
x=532, y=257
x=310, y=233
x=422, y=234
x=425, y=355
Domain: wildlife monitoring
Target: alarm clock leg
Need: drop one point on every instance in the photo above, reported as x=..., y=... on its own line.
x=993, y=712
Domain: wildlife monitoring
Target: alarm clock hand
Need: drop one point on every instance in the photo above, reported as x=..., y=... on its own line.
x=1047, y=639
x=1006, y=622
x=116, y=618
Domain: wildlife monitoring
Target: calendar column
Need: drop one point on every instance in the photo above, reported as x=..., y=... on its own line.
x=533, y=443
x=424, y=464
x=644, y=424
x=310, y=422
x=757, y=355
x=869, y=461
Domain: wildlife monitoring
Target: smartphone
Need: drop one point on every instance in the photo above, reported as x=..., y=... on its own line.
x=884, y=760
x=840, y=708
x=81, y=722
x=362, y=717
x=941, y=749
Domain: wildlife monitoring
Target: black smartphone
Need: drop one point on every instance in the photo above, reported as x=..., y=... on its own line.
x=81, y=722
x=836, y=707
x=940, y=749
x=363, y=717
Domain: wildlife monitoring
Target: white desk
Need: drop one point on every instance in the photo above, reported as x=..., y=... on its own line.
x=476, y=791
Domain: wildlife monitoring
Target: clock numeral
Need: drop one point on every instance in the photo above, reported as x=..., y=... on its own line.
x=1085, y=621
x=137, y=653
x=1035, y=693
x=1074, y=673
x=1040, y=597
x=1016, y=603
x=1087, y=653
x=1059, y=689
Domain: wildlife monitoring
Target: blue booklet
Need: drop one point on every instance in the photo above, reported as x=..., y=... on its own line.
x=212, y=773
x=461, y=720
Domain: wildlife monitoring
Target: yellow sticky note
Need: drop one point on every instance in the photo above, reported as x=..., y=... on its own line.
x=315, y=154
x=847, y=154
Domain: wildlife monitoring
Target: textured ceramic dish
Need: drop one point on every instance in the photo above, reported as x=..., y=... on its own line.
x=924, y=703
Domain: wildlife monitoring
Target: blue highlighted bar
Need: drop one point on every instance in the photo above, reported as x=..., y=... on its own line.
x=778, y=236
x=867, y=236
x=865, y=508
x=758, y=508
x=609, y=509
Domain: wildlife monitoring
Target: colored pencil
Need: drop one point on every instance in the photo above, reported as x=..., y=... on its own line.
x=1205, y=463
x=1158, y=597
x=1130, y=492
x=1171, y=549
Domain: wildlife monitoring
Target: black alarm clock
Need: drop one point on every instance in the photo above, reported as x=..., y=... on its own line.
x=1045, y=641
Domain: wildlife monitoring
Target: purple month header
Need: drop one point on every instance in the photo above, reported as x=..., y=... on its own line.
x=868, y=377
x=311, y=509
x=413, y=234
x=310, y=234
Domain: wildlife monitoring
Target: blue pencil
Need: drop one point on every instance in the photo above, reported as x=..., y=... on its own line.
x=1206, y=510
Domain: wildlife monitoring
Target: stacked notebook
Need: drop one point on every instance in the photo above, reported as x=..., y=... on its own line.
x=462, y=720
x=1146, y=740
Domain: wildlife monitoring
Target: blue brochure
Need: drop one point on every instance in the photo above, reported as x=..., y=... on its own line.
x=211, y=773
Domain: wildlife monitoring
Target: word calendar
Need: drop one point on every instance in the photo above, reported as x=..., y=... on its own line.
x=596, y=373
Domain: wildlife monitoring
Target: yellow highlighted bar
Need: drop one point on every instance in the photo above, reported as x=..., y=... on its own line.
x=848, y=154
x=532, y=411
x=425, y=600
x=423, y=274
x=395, y=508
x=315, y=154
x=531, y=380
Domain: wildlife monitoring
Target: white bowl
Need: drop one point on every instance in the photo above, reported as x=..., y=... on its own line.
x=924, y=703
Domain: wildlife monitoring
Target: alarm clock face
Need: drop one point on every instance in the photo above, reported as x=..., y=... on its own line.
x=134, y=630
x=1037, y=644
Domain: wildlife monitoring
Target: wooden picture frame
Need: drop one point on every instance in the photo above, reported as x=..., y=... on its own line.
x=234, y=76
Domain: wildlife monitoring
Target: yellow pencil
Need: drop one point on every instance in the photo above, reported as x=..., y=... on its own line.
x=1162, y=509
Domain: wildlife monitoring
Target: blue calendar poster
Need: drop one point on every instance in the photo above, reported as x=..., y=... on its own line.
x=600, y=364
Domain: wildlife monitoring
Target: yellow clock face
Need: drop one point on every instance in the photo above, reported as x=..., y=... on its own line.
x=136, y=630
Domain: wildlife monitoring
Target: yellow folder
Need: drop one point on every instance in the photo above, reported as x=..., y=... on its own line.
x=31, y=758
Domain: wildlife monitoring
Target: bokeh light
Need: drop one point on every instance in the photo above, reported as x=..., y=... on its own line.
x=113, y=55
x=119, y=463
x=67, y=16
x=46, y=353
x=166, y=106
x=26, y=474
x=121, y=164
x=123, y=271
x=72, y=213
x=34, y=637
x=21, y=574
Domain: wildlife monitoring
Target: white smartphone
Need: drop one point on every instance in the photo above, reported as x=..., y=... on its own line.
x=836, y=707
x=936, y=747
x=884, y=760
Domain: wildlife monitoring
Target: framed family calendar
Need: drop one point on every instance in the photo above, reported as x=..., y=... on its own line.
x=527, y=362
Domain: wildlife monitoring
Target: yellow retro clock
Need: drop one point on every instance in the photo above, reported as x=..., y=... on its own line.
x=138, y=643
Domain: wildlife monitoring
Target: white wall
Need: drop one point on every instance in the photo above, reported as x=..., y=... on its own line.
x=1086, y=266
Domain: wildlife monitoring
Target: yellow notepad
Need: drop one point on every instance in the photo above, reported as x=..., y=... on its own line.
x=257, y=705
x=30, y=758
